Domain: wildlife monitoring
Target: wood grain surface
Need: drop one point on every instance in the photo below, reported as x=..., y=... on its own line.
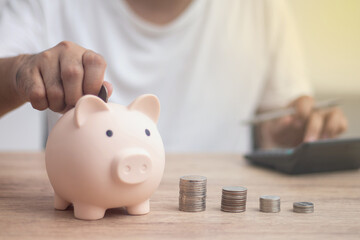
x=26, y=204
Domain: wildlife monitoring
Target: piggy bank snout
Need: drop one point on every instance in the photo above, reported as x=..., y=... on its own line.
x=133, y=166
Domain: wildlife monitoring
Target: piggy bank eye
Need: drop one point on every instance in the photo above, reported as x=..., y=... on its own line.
x=147, y=132
x=109, y=133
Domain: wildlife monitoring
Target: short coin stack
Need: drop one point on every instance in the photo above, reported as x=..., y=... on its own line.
x=233, y=199
x=270, y=204
x=192, y=193
x=303, y=207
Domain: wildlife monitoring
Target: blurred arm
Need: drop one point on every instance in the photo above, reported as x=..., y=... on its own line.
x=9, y=98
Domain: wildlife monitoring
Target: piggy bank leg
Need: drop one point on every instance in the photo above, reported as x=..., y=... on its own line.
x=139, y=209
x=88, y=212
x=60, y=203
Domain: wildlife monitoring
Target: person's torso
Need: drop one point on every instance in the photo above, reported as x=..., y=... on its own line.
x=207, y=67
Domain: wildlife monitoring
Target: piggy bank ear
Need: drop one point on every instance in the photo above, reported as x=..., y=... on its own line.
x=86, y=106
x=148, y=104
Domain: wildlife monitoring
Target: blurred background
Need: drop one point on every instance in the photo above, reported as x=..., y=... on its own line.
x=330, y=34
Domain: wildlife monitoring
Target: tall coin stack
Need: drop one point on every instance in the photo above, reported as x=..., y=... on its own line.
x=192, y=193
x=303, y=207
x=233, y=199
x=270, y=204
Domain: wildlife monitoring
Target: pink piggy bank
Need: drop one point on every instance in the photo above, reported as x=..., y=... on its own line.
x=104, y=155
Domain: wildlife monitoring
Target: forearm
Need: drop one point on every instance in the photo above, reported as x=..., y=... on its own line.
x=9, y=98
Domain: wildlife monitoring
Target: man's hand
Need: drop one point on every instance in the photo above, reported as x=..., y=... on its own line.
x=58, y=77
x=306, y=125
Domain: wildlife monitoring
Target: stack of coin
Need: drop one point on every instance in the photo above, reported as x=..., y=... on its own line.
x=270, y=204
x=303, y=207
x=233, y=199
x=192, y=193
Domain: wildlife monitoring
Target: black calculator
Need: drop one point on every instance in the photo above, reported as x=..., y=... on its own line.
x=311, y=157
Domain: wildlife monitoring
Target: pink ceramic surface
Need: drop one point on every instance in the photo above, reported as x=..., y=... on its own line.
x=104, y=155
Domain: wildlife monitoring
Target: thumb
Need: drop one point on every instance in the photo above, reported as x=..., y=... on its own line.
x=109, y=87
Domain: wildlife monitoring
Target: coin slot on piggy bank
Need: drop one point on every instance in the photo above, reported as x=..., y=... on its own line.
x=103, y=155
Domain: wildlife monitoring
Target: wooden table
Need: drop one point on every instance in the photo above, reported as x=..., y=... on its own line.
x=26, y=204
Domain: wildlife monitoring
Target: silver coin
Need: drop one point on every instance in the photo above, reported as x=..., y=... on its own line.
x=193, y=178
x=192, y=206
x=193, y=210
x=233, y=207
x=192, y=193
x=233, y=210
x=233, y=202
x=269, y=207
x=234, y=193
x=270, y=204
x=193, y=197
x=270, y=210
x=192, y=200
x=191, y=203
x=192, y=185
x=269, y=198
x=192, y=189
x=298, y=210
x=186, y=207
x=235, y=197
x=234, y=189
x=303, y=205
x=185, y=191
x=188, y=203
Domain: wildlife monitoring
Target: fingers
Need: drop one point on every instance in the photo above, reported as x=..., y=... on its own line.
x=94, y=68
x=81, y=72
x=29, y=84
x=313, y=127
x=308, y=124
x=50, y=72
x=287, y=131
x=72, y=74
x=58, y=77
x=328, y=124
x=37, y=93
x=319, y=124
x=335, y=124
x=304, y=107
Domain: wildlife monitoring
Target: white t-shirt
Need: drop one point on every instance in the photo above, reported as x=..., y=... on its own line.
x=211, y=68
